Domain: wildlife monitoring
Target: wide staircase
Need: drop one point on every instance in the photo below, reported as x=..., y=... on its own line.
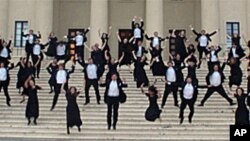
x=210, y=122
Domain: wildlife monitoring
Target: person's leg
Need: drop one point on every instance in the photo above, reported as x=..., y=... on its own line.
x=175, y=90
x=87, y=86
x=115, y=116
x=182, y=108
x=96, y=87
x=222, y=92
x=207, y=95
x=109, y=112
x=165, y=96
x=191, y=107
x=6, y=93
x=57, y=92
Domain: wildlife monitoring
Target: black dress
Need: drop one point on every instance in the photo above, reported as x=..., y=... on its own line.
x=52, y=69
x=242, y=113
x=181, y=47
x=73, y=112
x=20, y=76
x=106, y=48
x=127, y=50
x=141, y=76
x=179, y=74
x=112, y=70
x=158, y=67
x=32, y=108
x=51, y=51
x=153, y=112
x=235, y=77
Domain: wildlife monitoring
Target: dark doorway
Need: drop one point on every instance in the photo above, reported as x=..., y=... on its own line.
x=172, y=41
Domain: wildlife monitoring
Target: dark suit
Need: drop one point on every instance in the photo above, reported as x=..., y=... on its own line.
x=210, y=63
x=152, y=38
x=80, y=49
x=28, y=46
x=239, y=51
x=113, y=103
x=3, y=59
x=218, y=89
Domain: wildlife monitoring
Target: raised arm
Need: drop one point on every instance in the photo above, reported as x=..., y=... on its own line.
x=86, y=31
x=109, y=32
x=105, y=42
x=89, y=49
x=121, y=58
x=39, y=35
x=194, y=31
x=211, y=34
x=142, y=23
x=146, y=36
x=38, y=61
x=72, y=69
x=118, y=36
x=133, y=22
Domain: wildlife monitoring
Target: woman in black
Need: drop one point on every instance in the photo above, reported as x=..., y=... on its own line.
x=153, y=111
x=180, y=44
x=52, y=68
x=105, y=38
x=126, y=47
x=157, y=64
x=191, y=64
x=236, y=74
x=242, y=113
x=32, y=108
x=141, y=76
x=73, y=112
x=51, y=51
x=20, y=74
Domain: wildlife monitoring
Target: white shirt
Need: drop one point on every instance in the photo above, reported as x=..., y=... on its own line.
x=139, y=52
x=234, y=53
x=36, y=49
x=92, y=71
x=61, y=76
x=113, y=89
x=213, y=56
x=137, y=33
x=31, y=39
x=79, y=40
x=215, y=79
x=3, y=74
x=171, y=76
x=4, y=52
x=203, y=41
x=188, y=91
x=60, y=50
x=156, y=41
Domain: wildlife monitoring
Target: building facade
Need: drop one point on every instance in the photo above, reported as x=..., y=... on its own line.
x=229, y=16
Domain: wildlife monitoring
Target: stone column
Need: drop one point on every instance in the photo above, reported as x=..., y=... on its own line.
x=44, y=18
x=210, y=17
x=4, y=6
x=98, y=19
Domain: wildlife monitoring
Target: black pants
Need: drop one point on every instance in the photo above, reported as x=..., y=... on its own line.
x=88, y=84
x=35, y=58
x=80, y=51
x=113, y=106
x=170, y=88
x=218, y=89
x=4, y=85
x=29, y=51
x=201, y=51
x=57, y=90
x=184, y=103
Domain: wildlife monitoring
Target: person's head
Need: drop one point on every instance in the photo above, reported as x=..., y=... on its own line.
x=137, y=25
x=212, y=47
x=61, y=66
x=112, y=60
x=191, y=48
x=51, y=34
x=178, y=56
x=203, y=32
x=31, y=31
x=191, y=63
x=143, y=58
x=182, y=33
x=114, y=77
x=96, y=46
x=216, y=67
x=156, y=34
x=234, y=45
x=239, y=91
x=170, y=64
x=37, y=41
x=235, y=35
x=157, y=47
x=31, y=83
x=72, y=90
x=90, y=61
x=29, y=64
x=232, y=60
x=152, y=90
x=72, y=34
x=104, y=35
x=189, y=79
x=78, y=33
x=4, y=43
x=54, y=61
x=139, y=43
x=125, y=40
x=1, y=64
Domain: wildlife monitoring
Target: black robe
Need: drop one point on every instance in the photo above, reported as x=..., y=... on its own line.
x=153, y=111
x=73, y=112
x=242, y=113
x=32, y=108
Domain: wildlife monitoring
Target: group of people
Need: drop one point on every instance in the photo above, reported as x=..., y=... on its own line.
x=133, y=52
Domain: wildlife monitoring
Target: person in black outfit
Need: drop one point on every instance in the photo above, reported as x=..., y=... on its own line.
x=153, y=112
x=32, y=108
x=5, y=80
x=236, y=74
x=72, y=110
x=203, y=40
x=191, y=65
x=137, y=29
x=126, y=47
x=214, y=81
x=20, y=74
x=62, y=76
x=91, y=78
x=105, y=38
x=236, y=52
x=242, y=113
x=188, y=95
x=141, y=76
x=5, y=51
x=235, y=39
x=52, y=68
x=178, y=63
x=181, y=45
x=52, y=40
x=191, y=49
x=170, y=84
x=155, y=40
x=213, y=56
x=80, y=40
x=112, y=96
x=31, y=38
